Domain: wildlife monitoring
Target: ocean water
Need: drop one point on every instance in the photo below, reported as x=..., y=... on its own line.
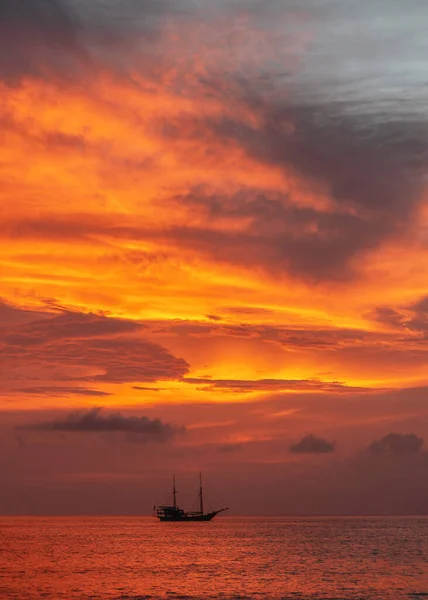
x=229, y=558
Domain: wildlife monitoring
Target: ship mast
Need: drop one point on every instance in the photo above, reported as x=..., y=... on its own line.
x=174, y=491
x=201, y=501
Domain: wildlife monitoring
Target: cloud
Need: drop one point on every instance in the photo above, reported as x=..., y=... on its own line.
x=269, y=385
x=142, y=388
x=418, y=318
x=70, y=326
x=370, y=171
x=411, y=317
x=321, y=337
x=348, y=174
x=35, y=36
x=54, y=391
x=11, y=315
x=311, y=444
x=396, y=444
x=95, y=421
x=83, y=347
x=61, y=38
x=387, y=316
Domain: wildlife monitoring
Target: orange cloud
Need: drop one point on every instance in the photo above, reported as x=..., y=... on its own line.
x=188, y=226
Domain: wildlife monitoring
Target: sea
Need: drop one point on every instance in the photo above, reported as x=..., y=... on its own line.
x=251, y=558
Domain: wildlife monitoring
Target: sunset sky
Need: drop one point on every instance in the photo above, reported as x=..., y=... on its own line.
x=214, y=255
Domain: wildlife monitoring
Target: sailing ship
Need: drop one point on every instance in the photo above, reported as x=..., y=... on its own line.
x=175, y=513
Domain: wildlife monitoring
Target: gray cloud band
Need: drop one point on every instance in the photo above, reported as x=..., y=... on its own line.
x=95, y=421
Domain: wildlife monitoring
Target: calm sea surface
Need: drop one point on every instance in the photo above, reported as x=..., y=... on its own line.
x=229, y=558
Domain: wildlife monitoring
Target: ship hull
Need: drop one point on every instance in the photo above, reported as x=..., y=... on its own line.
x=188, y=518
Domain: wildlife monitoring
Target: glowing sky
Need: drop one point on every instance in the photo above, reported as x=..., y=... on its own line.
x=213, y=254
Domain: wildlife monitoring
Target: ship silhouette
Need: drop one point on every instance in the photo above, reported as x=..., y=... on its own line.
x=175, y=513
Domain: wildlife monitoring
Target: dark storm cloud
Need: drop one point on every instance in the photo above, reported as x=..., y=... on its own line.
x=95, y=421
x=396, y=444
x=311, y=444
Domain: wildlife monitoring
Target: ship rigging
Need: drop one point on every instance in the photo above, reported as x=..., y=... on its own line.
x=175, y=513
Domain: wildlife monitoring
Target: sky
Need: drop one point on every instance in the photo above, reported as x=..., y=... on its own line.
x=214, y=255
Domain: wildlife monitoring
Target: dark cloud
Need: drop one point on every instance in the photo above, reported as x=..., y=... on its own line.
x=387, y=316
x=48, y=16
x=412, y=317
x=372, y=171
x=142, y=388
x=292, y=337
x=74, y=227
x=133, y=360
x=269, y=385
x=311, y=444
x=36, y=36
x=352, y=346
x=11, y=315
x=62, y=38
x=396, y=444
x=95, y=421
x=68, y=325
x=418, y=318
x=83, y=347
x=53, y=391
x=142, y=15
